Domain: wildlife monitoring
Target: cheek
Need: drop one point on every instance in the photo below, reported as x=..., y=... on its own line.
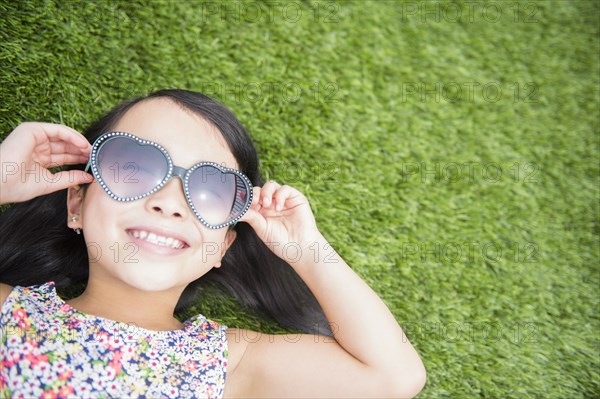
x=98, y=206
x=213, y=246
x=95, y=201
x=100, y=215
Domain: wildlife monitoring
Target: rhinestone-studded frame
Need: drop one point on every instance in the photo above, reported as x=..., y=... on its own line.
x=185, y=179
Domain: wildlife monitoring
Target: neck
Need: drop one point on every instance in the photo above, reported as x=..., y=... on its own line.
x=120, y=302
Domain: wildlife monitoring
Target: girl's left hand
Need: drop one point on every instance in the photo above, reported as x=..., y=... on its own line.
x=281, y=215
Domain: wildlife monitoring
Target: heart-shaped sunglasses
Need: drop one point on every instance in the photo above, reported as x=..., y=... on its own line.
x=129, y=168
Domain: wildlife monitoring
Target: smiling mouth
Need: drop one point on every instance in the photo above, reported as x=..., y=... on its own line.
x=153, y=238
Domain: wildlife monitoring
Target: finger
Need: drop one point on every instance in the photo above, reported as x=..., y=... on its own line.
x=65, y=159
x=53, y=160
x=58, y=147
x=81, y=177
x=255, y=196
x=52, y=131
x=281, y=196
x=255, y=220
x=267, y=191
x=69, y=178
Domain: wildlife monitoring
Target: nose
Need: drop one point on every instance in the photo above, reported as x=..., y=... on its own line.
x=169, y=201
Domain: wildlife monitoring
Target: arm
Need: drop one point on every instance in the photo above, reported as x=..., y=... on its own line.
x=370, y=356
x=25, y=158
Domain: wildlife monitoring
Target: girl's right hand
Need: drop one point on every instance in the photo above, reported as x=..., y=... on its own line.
x=30, y=150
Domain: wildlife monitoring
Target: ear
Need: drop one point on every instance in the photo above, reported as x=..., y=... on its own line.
x=229, y=239
x=75, y=196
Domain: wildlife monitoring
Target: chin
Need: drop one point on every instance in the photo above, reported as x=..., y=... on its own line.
x=151, y=282
x=151, y=277
x=150, y=286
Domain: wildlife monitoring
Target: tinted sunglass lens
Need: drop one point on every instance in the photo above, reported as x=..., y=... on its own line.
x=215, y=194
x=130, y=169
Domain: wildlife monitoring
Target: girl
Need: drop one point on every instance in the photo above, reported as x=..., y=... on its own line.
x=171, y=196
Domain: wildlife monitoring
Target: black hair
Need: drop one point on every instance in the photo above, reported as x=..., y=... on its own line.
x=37, y=246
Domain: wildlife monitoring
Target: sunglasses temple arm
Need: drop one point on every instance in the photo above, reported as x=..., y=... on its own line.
x=87, y=167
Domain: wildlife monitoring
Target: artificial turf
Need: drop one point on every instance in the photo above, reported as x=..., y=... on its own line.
x=449, y=151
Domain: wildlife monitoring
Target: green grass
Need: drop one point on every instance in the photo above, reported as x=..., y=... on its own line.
x=515, y=313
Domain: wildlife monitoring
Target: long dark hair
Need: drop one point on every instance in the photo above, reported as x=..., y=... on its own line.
x=37, y=246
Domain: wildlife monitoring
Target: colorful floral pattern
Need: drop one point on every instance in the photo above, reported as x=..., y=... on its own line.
x=51, y=350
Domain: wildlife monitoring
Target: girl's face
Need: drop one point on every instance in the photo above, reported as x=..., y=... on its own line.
x=113, y=229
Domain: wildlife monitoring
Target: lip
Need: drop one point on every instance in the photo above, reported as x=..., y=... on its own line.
x=157, y=249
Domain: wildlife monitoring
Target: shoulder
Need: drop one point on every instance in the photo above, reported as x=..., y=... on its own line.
x=267, y=365
x=205, y=328
x=237, y=345
x=5, y=291
x=32, y=297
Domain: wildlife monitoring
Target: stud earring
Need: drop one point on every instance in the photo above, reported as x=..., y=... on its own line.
x=76, y=230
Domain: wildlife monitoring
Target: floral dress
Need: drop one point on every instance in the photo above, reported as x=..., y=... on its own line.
x=49, y=349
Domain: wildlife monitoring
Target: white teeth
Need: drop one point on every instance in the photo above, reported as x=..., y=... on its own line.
x=156, y=239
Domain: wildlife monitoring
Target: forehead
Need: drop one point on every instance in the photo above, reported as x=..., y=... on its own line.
x=188, y=137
